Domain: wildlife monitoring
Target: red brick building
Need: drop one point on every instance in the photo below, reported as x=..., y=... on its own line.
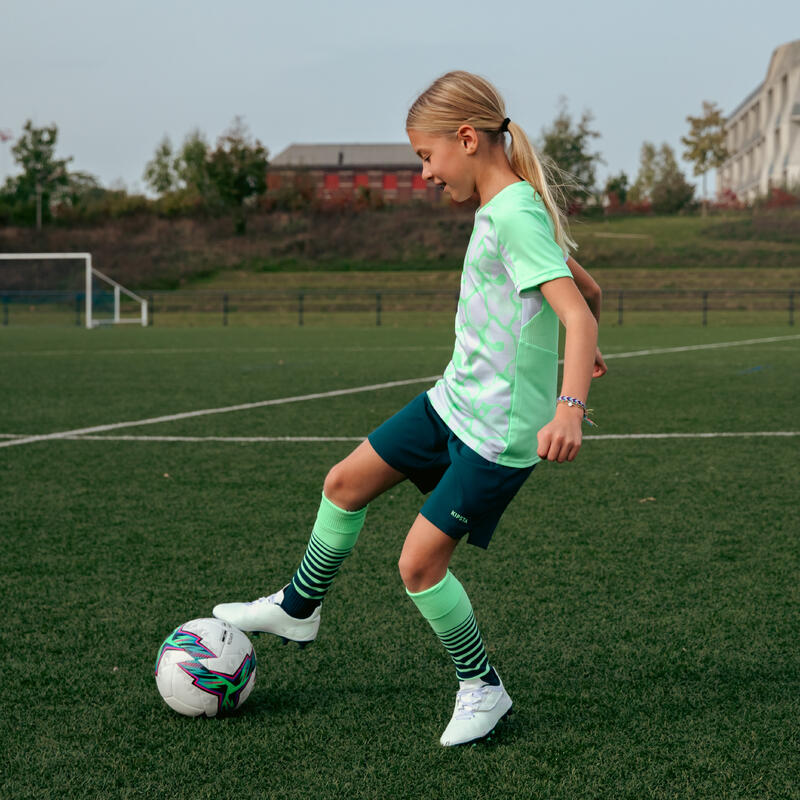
x=337, y=171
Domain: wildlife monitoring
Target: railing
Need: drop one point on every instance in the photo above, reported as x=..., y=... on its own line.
x=699, y=301
x=299, y=307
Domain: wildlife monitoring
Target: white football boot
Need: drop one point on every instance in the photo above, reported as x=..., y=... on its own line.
x=479, y=707
x=265, y=615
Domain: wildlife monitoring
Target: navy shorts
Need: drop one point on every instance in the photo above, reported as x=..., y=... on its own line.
x=468, y=493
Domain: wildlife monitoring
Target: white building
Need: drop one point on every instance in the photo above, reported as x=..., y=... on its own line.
x=763, y=131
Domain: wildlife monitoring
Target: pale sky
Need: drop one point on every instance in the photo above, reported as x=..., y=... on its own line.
x=116, y=76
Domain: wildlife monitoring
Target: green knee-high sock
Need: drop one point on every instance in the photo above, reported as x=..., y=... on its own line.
x=449, y=612
x=333, y=537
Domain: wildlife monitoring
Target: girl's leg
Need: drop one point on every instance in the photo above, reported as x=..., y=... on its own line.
x=349, y=487
x=292, y=613
x=481, y=701
x=360, y=478
x=441, y=598
x=425, y=556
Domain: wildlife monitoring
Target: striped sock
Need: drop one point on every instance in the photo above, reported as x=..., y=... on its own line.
x=333, y=537
x=449, y=612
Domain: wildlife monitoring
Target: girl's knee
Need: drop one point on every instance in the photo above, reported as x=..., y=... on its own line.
x=339, y=488
x=409, y=571
x=418, y=574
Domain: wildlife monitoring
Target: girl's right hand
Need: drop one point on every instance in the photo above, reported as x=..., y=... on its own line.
x=561, y=438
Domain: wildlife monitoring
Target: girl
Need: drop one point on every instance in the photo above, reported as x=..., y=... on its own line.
x=472, y=439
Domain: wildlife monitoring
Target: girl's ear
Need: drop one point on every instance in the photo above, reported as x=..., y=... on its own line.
x=468, y=138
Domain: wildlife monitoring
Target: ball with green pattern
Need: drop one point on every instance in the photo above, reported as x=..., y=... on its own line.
x=205, y=667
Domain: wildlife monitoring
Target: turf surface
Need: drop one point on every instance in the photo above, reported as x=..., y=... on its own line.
x=641, y=604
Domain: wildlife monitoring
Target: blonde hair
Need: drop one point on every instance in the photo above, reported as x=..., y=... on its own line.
x=462, y=98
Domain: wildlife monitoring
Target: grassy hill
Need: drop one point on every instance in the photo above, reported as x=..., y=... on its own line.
x=150, y=253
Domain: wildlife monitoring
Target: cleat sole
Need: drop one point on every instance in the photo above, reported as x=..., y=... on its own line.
x=488, y=736
x=302, y=645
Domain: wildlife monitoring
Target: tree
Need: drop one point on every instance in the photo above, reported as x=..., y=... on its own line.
x=671, y=191
x=79, y=186
x=182, y=179
x=42, y=173
x=646, y=177
x=705, y=144
x=617, y=189
x=237, y=169
x=568, y=145
x=660, y=180
x=191, y=164
x=159, y=173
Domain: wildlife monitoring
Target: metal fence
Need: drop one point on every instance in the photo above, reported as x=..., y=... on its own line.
x=299, y=307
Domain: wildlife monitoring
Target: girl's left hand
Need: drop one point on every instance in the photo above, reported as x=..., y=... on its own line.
x=600, y=367
x=561, y=438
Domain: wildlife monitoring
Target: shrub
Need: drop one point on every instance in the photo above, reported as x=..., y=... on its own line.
x=781, y=198
x=728, y=200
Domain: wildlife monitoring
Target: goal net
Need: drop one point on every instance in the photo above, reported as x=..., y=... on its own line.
x=102, y=299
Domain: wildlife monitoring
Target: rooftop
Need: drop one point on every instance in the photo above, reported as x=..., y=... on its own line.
x=347, y=156
x=783, y=58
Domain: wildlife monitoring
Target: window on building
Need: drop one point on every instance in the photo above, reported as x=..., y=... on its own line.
x=390, y=180
x=360, y=179
x=769, y=106
x=332, y=181
x=784, y=90
x=418, y=182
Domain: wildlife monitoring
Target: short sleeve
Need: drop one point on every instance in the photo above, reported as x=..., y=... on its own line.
x=526, y=244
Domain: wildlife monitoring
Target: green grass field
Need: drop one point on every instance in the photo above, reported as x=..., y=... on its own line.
x=641, y=603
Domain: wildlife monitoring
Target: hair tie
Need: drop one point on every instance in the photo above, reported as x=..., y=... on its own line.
x=504, y=126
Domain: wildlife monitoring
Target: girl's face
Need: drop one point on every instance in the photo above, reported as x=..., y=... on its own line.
x=446, y=160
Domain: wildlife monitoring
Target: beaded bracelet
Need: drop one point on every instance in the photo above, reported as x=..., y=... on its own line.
x=574, y=401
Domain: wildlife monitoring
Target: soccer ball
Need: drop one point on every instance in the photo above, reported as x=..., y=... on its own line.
x=205, y=666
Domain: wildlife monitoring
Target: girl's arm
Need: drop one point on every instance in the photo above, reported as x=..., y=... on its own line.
x=560, y=439
x=593, y=296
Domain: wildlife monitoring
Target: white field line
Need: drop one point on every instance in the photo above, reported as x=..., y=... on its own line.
x=300, y=439
x=715, y=435
x=353, y=349
x=229, y=439
x=206, y=411
x=257, y=439
x=689, y=347
x=355, y=390
x=172, y=351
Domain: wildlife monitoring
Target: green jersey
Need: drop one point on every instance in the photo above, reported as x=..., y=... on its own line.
x=499, y=388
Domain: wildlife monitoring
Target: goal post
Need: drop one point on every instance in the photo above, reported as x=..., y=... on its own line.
x=119, y=289
x=90, y=276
